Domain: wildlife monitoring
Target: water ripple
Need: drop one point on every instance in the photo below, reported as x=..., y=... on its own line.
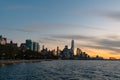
x=62, y=70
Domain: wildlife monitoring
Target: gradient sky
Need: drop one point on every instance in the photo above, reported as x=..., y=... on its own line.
x=93, y=24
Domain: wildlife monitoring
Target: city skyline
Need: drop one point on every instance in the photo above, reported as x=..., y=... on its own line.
x=93, y=24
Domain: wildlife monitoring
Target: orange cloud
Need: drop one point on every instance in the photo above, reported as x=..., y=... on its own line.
x=103, y=53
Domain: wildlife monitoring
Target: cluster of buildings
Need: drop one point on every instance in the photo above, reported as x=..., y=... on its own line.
x=30, y=45
x=81, y=55
x=34, y=46
x=66, y=53
x=3, y=41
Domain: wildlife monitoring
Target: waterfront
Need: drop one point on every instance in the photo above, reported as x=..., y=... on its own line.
x=62, y=70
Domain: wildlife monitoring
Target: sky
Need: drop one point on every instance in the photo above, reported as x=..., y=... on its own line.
x=93, y=24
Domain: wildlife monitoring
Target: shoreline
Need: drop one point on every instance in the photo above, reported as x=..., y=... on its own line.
x=5, y=62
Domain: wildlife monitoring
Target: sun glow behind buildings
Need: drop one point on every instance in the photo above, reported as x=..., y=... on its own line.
x=93, y=24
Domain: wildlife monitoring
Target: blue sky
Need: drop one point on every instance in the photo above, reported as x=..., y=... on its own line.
x=94, y=22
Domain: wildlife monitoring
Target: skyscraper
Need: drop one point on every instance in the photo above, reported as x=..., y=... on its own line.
x=35, y=46
x=29, y=44
x=38, y=47
x=57, y=51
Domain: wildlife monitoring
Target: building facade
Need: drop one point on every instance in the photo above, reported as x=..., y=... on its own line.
x=72, y=48
x=35, y=46
x=29, y=44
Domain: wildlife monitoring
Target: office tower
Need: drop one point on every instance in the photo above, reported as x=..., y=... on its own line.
x=29, y=44
x=58, y=51
x=38, y=47
x=35, y=46
x=72, y=46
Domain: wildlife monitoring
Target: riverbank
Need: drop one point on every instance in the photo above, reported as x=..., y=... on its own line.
x=3, y=62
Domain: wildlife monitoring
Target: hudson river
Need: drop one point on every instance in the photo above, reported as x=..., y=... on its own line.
x=62, y=70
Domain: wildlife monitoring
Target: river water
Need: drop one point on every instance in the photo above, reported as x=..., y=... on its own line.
x=62, y=70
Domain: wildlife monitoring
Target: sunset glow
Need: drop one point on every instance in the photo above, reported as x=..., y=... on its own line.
x=93, y=24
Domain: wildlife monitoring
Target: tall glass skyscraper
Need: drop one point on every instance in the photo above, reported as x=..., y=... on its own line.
x=72, y=47
x=35, y=46
x=29, y=44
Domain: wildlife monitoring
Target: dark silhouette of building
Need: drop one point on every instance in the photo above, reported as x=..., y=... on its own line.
x=78, y=52
x=29, y=44
x=44, y=51
x=58, y=52
x=72, y=47
x=35, y=46
x=23, y=47
x=0, y=38
x=66, y=53
x=12, y=43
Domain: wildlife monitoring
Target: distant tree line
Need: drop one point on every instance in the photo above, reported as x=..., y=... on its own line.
x=13, y=52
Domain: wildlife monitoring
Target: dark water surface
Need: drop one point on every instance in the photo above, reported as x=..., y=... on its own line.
x=62, y=70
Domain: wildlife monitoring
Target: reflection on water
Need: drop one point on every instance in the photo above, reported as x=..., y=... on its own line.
x=62, y=70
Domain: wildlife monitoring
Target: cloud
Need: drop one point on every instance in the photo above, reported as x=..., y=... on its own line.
x=109, y=14
x=109, y=43
x=59, y=27
x=105, y=13
x=49, y=28
x=104, y=47
x=113, y=37
x=76, y=37
x=115, y=15
x=104, y=43
x=17, y=29
x=51, y=40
